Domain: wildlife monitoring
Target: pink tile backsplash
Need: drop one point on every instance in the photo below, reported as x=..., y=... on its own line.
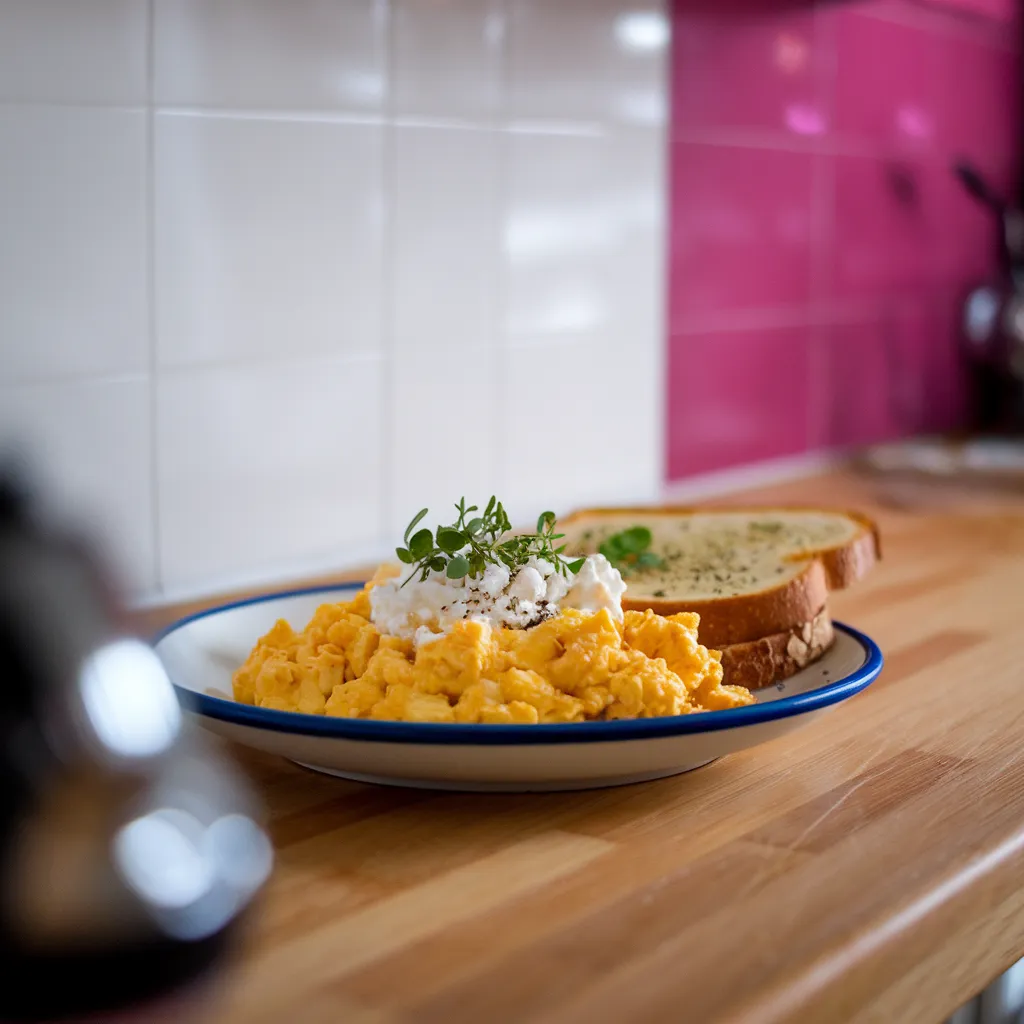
x=747, y=71
x=874, y=375
x=889, y=82
x=981, y=105
x=857, y=406
x=820, y=246
x=883, y=238
x=967, y=241
x=741, y=233
x=945, y=398
x=759, y=409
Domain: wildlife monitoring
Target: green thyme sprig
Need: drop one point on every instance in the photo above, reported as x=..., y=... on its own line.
x=472, y=542
x=629, y=550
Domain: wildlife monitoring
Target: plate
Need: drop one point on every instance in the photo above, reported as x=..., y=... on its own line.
x=202, y=651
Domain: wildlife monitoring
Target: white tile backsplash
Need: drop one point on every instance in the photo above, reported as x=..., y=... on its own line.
x=88, y=443
x=444, y=236
x=73, y=243
x=445, y=433
x=349, y=257
x=447, y=57
x=264, y=467
x=268, y=238
x=599, y=59
x=635, y=191
x=558, y=234
x=604, y=448
x=73, y=51
x=278, y=54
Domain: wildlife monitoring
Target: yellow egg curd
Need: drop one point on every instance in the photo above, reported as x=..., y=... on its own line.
x=576, y=666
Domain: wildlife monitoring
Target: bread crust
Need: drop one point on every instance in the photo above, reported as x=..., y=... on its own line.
x=764, y=662
x=771, y=612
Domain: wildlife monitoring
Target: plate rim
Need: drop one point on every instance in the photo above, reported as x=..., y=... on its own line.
x=475, y=734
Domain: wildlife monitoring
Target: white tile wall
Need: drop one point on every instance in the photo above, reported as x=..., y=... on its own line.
x=595, y=418
x=266, y=466
x=268, y=238
x=445, y=197
x=91, y=443
x=445, y=436
x=273, y=275
x=584, y=59
x=72, y=242
x=73, y=51
x=560, y=242
x=297, y=54
x=439, y=47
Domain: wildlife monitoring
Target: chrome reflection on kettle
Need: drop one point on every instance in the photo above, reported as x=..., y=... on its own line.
x=130, y=848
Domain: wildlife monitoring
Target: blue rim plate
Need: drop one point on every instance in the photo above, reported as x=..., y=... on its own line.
x=370, y=730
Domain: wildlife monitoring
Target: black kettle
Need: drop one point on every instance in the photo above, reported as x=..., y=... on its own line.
x=130, y=850
x=993, y=318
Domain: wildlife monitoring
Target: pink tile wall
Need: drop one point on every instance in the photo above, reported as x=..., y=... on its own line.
x=820, y=245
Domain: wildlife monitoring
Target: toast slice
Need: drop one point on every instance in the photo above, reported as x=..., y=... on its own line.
x=756, y=576
x=759, y=663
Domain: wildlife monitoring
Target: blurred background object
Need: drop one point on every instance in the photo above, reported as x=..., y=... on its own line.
x=994, y=318
x=275, y=275
x=129, y=850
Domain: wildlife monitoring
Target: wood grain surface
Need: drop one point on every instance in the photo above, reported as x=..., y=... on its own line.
x=867, y=868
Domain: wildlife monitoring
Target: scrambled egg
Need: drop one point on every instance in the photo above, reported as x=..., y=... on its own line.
x=574, y=667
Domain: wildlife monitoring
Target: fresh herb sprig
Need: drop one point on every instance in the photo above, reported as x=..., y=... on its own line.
x=629, y=550
x=472, y=542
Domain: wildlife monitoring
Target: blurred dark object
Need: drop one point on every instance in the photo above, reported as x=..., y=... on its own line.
x=993, y=319
x=129, y=850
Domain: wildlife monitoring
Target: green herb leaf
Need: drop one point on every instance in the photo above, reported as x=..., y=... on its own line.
x=635, y=539
x=458, y=568
x=412, y=526
x=450, y=540
x=469, y=545
x=628, y=550
x=421, y=544
x=612, y=550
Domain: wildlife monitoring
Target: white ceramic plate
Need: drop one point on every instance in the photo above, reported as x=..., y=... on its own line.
x=201, y=653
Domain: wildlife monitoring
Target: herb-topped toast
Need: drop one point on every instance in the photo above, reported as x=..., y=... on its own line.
x=758, y=577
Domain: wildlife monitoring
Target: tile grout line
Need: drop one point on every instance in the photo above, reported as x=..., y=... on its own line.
x=59, y=378
x=74, y=379
x=154, y=444
x=7, y=103
x=587, y=128
x=663, y=318
x=386, y=328
x=831, y=143
x=932, y=19
x=673, y=350
x=817, y=424
x=499, y=308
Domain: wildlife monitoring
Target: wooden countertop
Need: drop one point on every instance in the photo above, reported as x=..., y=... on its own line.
x=868, y=867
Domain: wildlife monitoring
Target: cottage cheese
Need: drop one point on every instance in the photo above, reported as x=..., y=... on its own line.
x=426, y=609
x=597, y=585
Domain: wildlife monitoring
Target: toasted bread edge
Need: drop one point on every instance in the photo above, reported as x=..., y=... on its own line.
x=775, y=611
x=760, y=663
